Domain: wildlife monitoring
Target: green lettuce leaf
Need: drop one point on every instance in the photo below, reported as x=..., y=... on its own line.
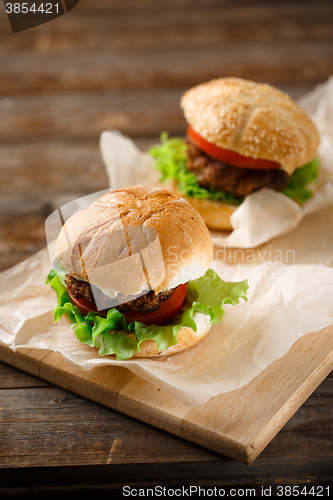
x=170, y=159
x=297, y=189
x=206, y=295
x=60, y=272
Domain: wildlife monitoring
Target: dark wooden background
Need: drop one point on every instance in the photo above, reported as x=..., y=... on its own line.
x=109, y=64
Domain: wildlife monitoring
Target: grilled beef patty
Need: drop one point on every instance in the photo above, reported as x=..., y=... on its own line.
x=234, y=180
x=146, y=303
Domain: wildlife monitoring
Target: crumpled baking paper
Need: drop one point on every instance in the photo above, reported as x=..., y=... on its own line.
x=264, y=214
x=285, y=301
x=290, y=294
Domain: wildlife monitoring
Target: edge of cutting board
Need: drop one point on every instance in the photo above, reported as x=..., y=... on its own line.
x=238, y=424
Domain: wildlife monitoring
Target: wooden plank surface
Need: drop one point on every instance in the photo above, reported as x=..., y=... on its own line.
x=165, y=68
x=35, y=408
x=129, y=45
x=238, y=424
x=66, y=117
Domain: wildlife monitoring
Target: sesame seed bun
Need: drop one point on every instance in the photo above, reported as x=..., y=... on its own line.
x=215, y=214
x=134, y=237
x=252, y=119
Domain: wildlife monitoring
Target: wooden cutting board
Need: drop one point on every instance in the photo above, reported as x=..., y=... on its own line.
x=238, y=424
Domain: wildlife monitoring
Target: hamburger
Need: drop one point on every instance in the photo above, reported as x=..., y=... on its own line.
x=242, y=136
x=132, y=274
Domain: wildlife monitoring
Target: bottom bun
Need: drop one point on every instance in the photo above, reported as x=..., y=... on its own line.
x=186, y=338
x=215, y=214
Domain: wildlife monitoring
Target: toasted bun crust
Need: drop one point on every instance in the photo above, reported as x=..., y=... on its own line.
x=186, y=338
x=252, y=119
x=216, y=214
x=134, y=237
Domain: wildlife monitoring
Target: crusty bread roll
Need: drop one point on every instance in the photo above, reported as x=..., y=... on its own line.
x=134, y=237
x=252, y=119
x=186, y=338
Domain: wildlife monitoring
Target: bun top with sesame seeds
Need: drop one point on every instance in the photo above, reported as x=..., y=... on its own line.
x=253, y=119
x=134, y=239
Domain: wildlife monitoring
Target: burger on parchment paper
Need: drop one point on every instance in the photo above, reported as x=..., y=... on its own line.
x=242, y=136
x=133, y=274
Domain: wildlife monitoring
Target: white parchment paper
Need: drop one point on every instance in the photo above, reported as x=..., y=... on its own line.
x=264, y=214
x=285, y=302
x=290, y=294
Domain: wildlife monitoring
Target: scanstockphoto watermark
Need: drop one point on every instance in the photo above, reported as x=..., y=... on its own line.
x=233, y=264
x=255, y=256
x=26, y=14
x=276, y=491
x=234, y=255
x=187, y=492
x=257, y=264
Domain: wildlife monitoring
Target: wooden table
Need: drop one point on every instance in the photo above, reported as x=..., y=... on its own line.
x=107, y=65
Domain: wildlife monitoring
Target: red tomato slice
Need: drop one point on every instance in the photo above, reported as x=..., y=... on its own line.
x=162, y=315
x=84, y=307
x=228, y=156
